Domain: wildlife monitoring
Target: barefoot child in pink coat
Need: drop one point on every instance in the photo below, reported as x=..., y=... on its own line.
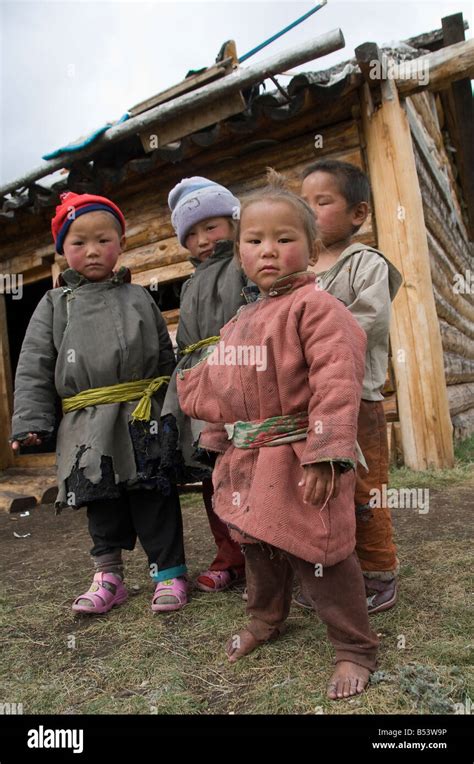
x=281, y=390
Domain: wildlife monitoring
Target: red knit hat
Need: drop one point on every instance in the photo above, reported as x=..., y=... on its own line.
x=72, y=205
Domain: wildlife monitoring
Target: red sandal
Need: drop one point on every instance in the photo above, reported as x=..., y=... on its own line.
x=217, y=580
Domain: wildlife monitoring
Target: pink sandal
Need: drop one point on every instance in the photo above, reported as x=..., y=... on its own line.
x=101, y=596
x=171, y=594
x=217, y=580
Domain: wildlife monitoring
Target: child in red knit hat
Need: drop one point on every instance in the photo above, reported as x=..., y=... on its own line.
x=101, y=344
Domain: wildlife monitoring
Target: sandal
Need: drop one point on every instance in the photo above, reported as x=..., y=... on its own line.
x=171, y=594
x=217, y=580
x=106, y=591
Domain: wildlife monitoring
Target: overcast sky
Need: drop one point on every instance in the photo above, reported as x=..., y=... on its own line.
x=68, y=67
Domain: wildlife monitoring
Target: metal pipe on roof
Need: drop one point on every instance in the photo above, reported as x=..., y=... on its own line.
x=239, y=79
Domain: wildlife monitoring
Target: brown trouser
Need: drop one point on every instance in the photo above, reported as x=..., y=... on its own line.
x=374, y=533
x=338, y=597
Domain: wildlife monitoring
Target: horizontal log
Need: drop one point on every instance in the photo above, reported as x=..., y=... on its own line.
x=446, y=312
x=16, y=501
x=444, y=66
x=451, y=290
x=12, y=259
x=42, y=461
x=463, y=425
x=461, y=397
x=455, y=341
x=171, y=316
x=449, y=311
x=155, y=276
x=161, y=133
x=156, y=255
x=456, y=252
x=458, y=369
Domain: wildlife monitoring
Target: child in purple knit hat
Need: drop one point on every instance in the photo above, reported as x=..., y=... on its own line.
x=203, y=215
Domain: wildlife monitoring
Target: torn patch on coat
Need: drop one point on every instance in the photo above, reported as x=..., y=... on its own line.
x=80, y=490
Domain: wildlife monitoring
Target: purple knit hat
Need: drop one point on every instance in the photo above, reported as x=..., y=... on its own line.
x=196, y=199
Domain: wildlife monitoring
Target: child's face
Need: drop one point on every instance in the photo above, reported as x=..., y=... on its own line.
x=202, y=237
x=335, y=219
x=272, y=243
x=92, y=245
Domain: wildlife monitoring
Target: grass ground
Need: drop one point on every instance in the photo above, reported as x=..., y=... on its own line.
x=132, y=661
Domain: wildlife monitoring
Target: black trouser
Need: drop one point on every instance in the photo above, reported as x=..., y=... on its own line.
x=149, y=515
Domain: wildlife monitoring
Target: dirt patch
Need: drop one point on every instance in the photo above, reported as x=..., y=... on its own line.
x=131, y=661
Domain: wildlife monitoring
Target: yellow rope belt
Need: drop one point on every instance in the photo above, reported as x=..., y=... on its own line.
x=200, y=344
x=121, y=393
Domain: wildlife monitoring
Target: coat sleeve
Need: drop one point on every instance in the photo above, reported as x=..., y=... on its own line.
x=372, y=304
x=195, y=392
x=334, y=349
x=34, y=407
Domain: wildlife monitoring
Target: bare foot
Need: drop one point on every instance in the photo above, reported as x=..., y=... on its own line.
x=348, y=679
x=241, y=644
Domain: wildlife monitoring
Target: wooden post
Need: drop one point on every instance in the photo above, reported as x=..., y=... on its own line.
x=417, y=354
x=6, y=390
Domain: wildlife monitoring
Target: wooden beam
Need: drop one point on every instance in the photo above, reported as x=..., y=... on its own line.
x=442, y=67
x=156, y=276
x=429, y=40
x=34, y=460
x=435, y=71
x=162, y=133
x=417, y=353
x=459, y=111
x=185, y=86
x=6, y=389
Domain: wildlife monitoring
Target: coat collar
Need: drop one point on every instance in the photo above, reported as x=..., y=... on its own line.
x=73, y=279
x=282, y=285
x=394, y=276
x=223, y=249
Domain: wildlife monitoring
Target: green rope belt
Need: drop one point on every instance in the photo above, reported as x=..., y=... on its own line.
x=121, y=393
x=200, y=344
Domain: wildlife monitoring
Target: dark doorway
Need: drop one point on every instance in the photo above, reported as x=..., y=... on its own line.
x=19, y=313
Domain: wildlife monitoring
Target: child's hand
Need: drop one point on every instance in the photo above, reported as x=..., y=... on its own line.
x=32, y=440
x=317, y=481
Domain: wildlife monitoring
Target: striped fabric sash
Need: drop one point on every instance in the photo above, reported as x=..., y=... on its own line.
x=275, y=431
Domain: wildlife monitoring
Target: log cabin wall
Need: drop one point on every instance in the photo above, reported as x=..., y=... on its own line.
x=451, y=255
x=152, y=253
x=318, y=117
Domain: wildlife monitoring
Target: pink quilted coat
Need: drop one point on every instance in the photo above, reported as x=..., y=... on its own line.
x=314, y=354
